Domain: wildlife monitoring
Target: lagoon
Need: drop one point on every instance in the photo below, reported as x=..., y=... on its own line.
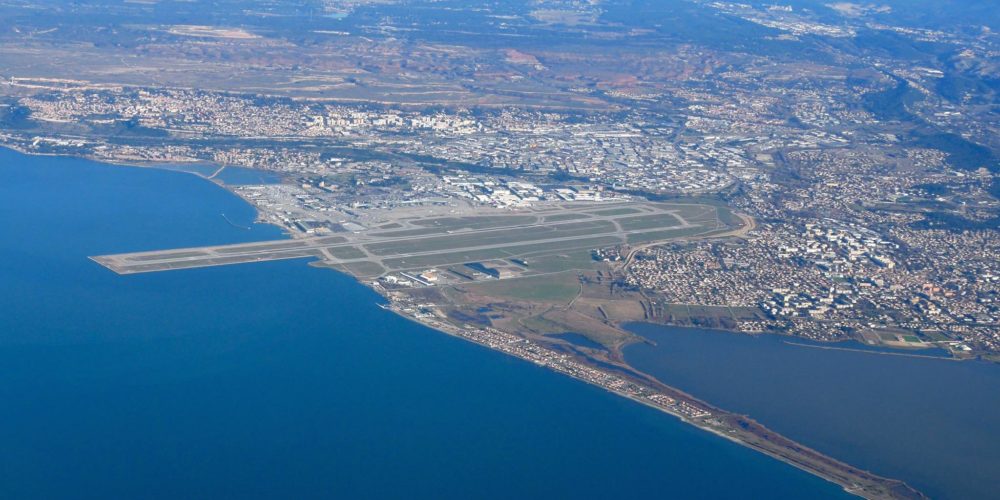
x=930, y=422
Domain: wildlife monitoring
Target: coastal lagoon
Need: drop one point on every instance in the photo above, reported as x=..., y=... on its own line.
x=280, y=380
x=930, y=422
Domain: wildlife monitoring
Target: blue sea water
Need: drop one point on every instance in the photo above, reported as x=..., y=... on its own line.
x=931, y=422
x=279, y=380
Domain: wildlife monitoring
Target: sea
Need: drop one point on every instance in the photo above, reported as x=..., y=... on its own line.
x=931, y=421
x=282, y=380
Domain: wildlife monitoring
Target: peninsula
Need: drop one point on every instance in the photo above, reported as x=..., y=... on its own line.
x=495, y=278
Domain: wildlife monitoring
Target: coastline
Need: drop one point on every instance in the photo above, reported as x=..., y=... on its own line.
x=735, y=428
x=832, y=345
x=883, y=353
x=738, y=429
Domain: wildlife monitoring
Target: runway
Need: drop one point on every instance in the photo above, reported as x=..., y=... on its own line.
x=433, y=242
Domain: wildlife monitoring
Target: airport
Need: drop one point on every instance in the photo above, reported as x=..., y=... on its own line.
x=415, y=244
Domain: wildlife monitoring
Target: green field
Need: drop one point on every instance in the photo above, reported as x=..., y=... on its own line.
x=648, y=222
x=565, y=217
x=616, y=211
x=576, y=259
x=560, y=288
x=364, y=269
x=424, y=261
x=476, y=222
x=346, y=253
x=667, y=234
x=562, y=246
x=497, y=237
